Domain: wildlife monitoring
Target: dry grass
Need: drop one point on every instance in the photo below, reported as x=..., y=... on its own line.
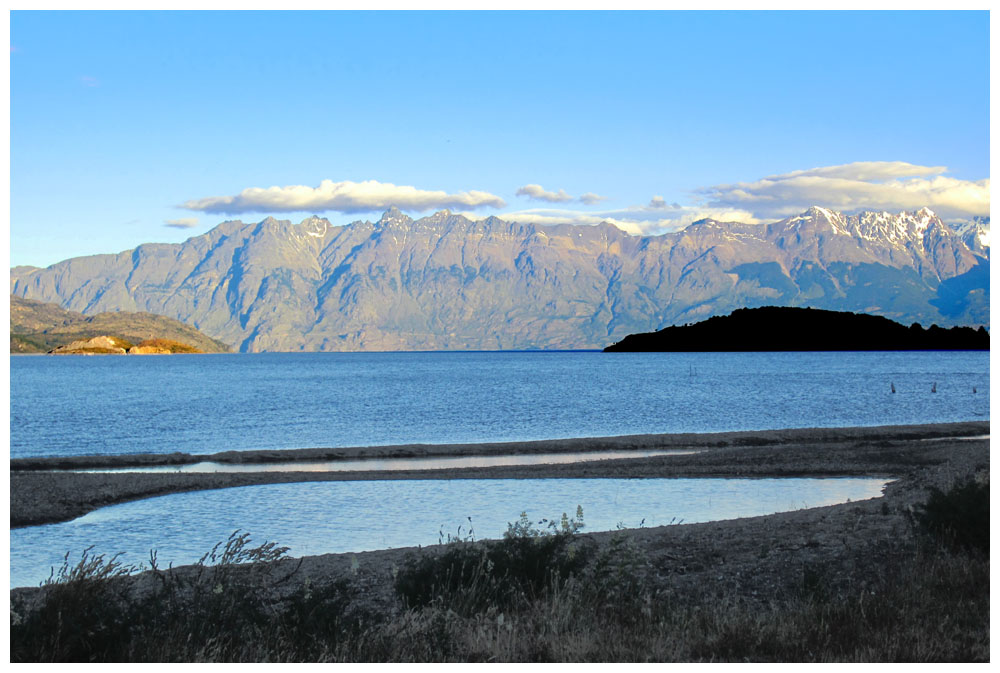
x=40, y=327
x=538, y=595
x=167, y=345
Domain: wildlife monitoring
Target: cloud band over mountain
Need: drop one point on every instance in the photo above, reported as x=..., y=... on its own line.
x=863, y=185
x=344, y=197
x=879, y=185
x=639, y=220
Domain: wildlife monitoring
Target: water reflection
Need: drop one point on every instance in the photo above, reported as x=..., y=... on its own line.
x=325, y=517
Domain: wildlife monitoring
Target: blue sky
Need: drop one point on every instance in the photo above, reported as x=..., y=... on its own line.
x=133, y=127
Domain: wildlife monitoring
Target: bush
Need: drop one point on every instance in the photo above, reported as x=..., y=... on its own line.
x=82, y=615
x=469, y=577
x=958, y=518
x=97, y=611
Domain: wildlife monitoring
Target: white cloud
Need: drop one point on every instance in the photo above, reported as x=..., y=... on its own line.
x=590, y=198
x=182, y=223
x=344, y=197
x=688, y=214
x=635, y=220
x=552, y=216
x=866, y=185
x=866, y=170
x=873, y=185
x=539, y=193
x=659, y=203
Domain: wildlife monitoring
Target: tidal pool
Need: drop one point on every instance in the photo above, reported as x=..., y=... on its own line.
x=351, y=516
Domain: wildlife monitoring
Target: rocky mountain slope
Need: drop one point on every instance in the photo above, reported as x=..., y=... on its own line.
x=37, y=327
x=447, y=282
x=976, y=234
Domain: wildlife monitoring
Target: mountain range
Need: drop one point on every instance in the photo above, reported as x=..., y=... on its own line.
x=450, y=283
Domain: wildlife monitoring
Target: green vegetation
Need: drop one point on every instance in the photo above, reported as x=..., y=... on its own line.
x=22, y=344
x=540, y=594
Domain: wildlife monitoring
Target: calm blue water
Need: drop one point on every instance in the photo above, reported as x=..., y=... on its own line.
x=326, y=517
x=208, y=403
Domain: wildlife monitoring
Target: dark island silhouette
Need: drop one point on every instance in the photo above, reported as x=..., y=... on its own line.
x=779, y=328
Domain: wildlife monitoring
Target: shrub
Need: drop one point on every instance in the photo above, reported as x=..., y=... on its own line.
x=958, y=518
x=82, y=614
x=469, y=577
x=615, y=584
x=95, y=610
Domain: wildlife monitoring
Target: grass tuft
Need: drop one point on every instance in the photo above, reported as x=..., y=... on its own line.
x=468, y=576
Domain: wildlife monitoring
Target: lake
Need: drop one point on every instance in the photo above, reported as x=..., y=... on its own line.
x=201, y=404
x=326, y=517
x=62, y=406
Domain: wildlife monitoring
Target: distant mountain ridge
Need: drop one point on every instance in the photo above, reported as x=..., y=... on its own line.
x=447, y=282
x=38, y=327
x=785, y=328
x=976, y=234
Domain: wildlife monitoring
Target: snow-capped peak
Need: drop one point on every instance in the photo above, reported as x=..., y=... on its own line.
x=975, y=233
x=924, y=217
x=819, y=210
x=834, y=219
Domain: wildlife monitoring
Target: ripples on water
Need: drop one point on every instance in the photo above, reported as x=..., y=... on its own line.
x=326, y=517
x=205, y=404
x=208, y=403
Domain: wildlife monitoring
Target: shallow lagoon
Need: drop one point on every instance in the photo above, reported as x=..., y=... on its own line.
x=328, y=517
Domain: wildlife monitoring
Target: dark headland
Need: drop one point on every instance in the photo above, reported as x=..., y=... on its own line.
x=774, y=328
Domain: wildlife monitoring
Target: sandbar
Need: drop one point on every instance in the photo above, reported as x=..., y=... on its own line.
x=47, y=490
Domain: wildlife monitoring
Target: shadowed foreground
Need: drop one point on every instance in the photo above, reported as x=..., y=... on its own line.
x=898, y=578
